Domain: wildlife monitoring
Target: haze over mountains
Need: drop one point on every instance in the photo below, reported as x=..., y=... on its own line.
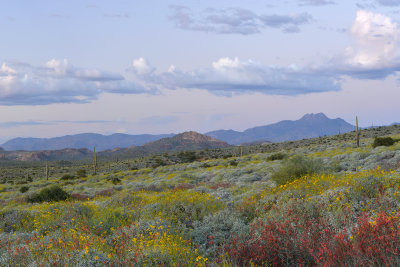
x=309, y=126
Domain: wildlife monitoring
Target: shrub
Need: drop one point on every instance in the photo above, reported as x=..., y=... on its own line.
x=233, y=163
x=295, y=168
x=187, y=156
x=81, y=173
x=23, y=189
x=215, y=231
x=15, y=220
x=383, y=141
x=276, y=156
x=287, y=243
x=66, y=177
x=53, y=193
x=114, y=180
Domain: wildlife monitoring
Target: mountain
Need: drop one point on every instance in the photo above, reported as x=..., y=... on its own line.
x=184, y=141
x=180, y=142
x=86, y=140
x=309, y=126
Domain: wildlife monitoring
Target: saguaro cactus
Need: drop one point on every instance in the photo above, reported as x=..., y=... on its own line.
x=47, y=171
x=94, y=161
x=357, y=133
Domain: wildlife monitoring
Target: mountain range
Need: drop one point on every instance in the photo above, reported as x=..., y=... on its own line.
x=309, y=126
x=180, y=142
x=85, y=140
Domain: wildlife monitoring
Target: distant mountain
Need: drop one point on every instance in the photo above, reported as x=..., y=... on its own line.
x=184, y=141
x=180, y=142
x=309, y=126
x=86, y=140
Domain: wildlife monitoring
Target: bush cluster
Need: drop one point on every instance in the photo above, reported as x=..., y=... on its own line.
x=276, y=156
x=67, y=177
x=383, y=141
x=296, y=167
x=24, y=189
x=48, y=194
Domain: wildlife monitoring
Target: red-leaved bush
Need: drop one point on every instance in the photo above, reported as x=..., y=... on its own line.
x=314, y=242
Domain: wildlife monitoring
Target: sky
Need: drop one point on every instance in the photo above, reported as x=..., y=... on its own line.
x=160, y=66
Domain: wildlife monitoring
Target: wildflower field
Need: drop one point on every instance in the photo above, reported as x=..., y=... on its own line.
x=322, y=204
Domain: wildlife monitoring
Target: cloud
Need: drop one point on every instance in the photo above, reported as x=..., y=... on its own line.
x=235, y=20
x=57, y=81
x=316, y=2
x=117, y=15
x=287, y=23
x=12, y=124
x=141, y=66
x=375, y=52
x=228, y=76
x=388, y=2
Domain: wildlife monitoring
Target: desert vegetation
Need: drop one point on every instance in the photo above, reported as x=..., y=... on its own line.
x=322, y=202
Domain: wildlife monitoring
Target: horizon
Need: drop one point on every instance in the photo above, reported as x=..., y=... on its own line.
x=71, y=67
x=204, y=133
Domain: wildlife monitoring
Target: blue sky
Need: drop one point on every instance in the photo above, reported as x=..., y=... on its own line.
x=152, y=66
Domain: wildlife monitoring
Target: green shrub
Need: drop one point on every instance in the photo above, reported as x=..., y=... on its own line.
x=187, y=156
x=233, y=163
x=296, y=167
x=81, y=173
x=215, y=231
x=114, y=180
x=66, y=177
x=23, y=189
x=276, y=156
x=48, y=194
x=383, y=141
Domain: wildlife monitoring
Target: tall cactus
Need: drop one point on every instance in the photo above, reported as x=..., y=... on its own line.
x=47, y=171
x=357, y=133
x=94, y=161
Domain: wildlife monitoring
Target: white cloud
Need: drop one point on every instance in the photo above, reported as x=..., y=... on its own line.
x=228, y=76
x=375, y=51
x=6, y=70
x=376, y=39
x=235, y=20
x=58, y=66
x=226, y=62
x=59, y=82
x=141, y=66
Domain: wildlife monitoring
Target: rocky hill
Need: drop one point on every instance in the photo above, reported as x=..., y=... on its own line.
x=185, y=141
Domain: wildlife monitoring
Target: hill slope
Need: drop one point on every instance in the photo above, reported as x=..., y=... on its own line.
x=185, y=141
x=309, y=126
